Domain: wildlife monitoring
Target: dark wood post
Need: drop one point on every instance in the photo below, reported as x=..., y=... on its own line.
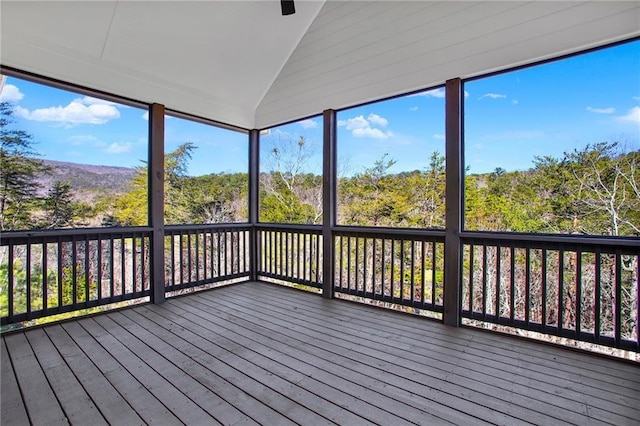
x=254, y=179
x=453, y=216
x=156, y=200
x=329, y=195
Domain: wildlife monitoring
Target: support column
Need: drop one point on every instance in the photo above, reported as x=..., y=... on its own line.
x=254, y=179
x=156, y=200
x=329, y=196
x=453, y=216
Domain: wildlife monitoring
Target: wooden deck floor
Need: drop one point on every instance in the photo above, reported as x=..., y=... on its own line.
x=262, y=354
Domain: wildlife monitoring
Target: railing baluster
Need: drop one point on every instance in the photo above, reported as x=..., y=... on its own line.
x=112, y=262
x=433, y=274
x=10, y=277
x=356, y=263
x=74, y=271
x=45, y=277
x=349, y=262
x=578, y=295
x=123, y=263
x=413, y=272
x=99, y=272
x=318, y=265
x=544, y=288
x=527, y=291
x=618, y=298
x=134, y=270
x=637, y=296
x=471, y=268
x=393, y=264
x=401, y=269
x=374, y=257
x=560, y=291
x=28, y=280
x=87, y=269
x=512, y=283
x=366, y=262
x=384, y=290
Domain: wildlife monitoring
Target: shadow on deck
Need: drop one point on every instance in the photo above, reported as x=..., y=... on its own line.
x=257, y=353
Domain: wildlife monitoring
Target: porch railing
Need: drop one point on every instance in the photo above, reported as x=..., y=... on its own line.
x=197, y=255
x=53, y=272
x=581, y=288
x=291, y=253
x=399, y=266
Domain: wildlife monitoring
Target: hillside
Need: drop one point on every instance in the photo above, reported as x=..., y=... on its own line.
x=86, y=178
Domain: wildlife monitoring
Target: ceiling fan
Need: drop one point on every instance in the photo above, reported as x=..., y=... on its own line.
x=288, y=8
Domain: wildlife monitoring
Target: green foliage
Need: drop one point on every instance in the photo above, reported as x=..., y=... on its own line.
x=60, y=210
x=410, y=199
x=213, y=198
x=18, y=172
x=593, y=190
x=24, y=280
x=288, y=195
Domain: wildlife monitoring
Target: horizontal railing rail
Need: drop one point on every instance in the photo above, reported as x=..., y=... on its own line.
x=398, y=266
x=197, y=255
x=582, y=288
x=46, y=272
x=291, y=253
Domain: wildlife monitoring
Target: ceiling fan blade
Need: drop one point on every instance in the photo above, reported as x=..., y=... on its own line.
x=288, y=8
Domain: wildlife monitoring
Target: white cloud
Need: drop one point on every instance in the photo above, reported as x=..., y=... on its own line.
x=415, y=108
x=609, y=110
x=361, y=127
x=369, y=132
x=118, y=148
x=438, y=136
x=435, y=93
x=492, y=96
x=89, y=100
x=145, y=116
x=11, y=93
x=87, y=110
x=358, y=122
x=376, y=119
x=309, y=124
x=514, y=102
x=633, y=115
x=636, y=98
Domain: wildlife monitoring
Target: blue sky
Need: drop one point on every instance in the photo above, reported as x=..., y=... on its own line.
x=510, y=119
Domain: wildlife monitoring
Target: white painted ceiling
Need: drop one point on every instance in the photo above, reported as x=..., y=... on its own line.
x=243, y=63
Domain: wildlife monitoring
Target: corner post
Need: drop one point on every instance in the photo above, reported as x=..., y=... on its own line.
x=156, y=200
x=329, y=192
x=453, y=216
x=254, y=178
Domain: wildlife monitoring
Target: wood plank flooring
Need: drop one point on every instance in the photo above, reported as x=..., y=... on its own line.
x=257, y=353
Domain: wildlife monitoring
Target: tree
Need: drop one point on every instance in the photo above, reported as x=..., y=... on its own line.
x=288, y=194
x=608, y=188
x=18, y=173
x=60, y=209
x=428, y=189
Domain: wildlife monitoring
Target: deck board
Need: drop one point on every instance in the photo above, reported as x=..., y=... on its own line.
x=491, y=403
x=532, y=387
x=11, y=403
x=74, y=400
x=42, y=405
x=258, y=353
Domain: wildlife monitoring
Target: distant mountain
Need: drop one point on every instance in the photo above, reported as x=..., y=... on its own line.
x=86, y=178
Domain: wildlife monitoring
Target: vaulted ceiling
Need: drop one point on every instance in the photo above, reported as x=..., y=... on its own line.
x=243, y=63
